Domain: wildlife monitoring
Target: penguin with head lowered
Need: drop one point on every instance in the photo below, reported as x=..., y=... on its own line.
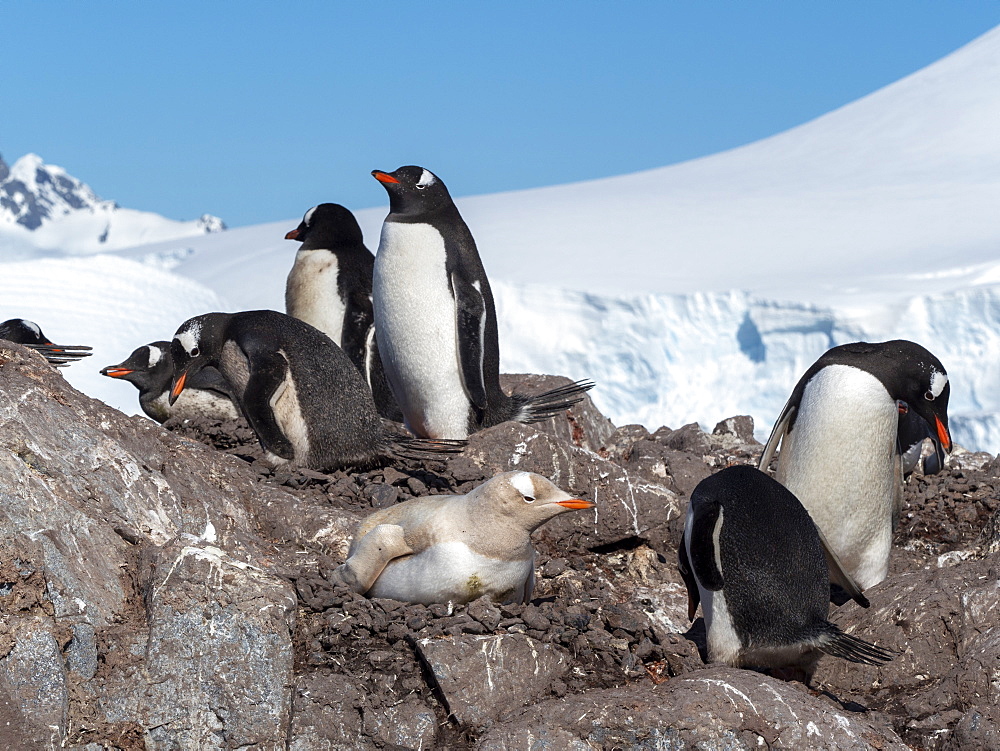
x=29, y=333
x=751, y=556
x=299, y=392
x=330, y=287
x=455, y=548
x=840, y=446
x=436, y=320
x=150, y=368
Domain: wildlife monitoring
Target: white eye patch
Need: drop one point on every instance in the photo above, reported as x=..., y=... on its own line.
x=522, y=484
x=154, y=355
x=34, y=327
x=938, y=382
x=189, y=338
x=309, y=215
x=426, y=179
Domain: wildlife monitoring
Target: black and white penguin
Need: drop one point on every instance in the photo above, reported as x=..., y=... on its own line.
x=330, y=287
x=299, y=392
x=752, y=557
x=840, y=452
x=436, y=321
x=150, y=368
x=455, y=548
x=30, y=334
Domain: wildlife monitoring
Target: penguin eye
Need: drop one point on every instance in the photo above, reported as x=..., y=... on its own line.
x=529, y=499
x=929, y=395
x=420, y=187
x=195, y=352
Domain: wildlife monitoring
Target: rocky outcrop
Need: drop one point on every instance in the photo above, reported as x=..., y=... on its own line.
x=165, y=589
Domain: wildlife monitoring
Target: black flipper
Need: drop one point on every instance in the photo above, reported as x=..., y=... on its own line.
x=359, y=321
x=470, y=315
x=267, y=374
x=704, y=517
x=684, y=566
x=853, y=649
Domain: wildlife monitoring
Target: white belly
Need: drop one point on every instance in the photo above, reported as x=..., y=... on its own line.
x=311, y=292
x=417, y=330
x=839, y=461
x=451, y=572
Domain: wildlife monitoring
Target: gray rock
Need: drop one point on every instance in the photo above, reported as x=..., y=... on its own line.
x=628, y=506
x=716, y=708
x=483, y=678
x=582, y=425
x=34, y=675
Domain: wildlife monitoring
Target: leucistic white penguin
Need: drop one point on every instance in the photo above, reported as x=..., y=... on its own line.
x=455, y=548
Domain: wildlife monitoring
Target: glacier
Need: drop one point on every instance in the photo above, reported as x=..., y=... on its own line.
x=689, y=293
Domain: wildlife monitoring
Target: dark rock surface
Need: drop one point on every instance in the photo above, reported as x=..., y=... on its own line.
x=162, y=588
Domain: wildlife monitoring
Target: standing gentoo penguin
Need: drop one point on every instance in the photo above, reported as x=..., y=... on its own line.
x=330, y=287
x=302, y=396
x=839, y=444
x=150, y=368
x=455, y=548
x=436, y=322
x=30, y=334
x=752, y=556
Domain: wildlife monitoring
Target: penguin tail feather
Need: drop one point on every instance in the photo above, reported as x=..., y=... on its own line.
x=425, y=448
x=551, y=403
x=853, y=649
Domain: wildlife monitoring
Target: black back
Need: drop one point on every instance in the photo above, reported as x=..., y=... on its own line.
x=774, y=574
x=415, y=199
x=336, y=404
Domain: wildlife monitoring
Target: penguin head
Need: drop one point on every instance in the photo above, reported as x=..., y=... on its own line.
x=413, y=190
x=527, y=499
x=195, y=345
x=23, y=331
x=327, y=226
x=920, y=385
x=150, y=366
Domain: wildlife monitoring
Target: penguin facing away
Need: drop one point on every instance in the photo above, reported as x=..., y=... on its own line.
x=29, y=333
x=299, y=392
x=436, y=319
x=150, y=368
x=455, y=548
x=840, y=446
x=330, y=287
x=752, y=557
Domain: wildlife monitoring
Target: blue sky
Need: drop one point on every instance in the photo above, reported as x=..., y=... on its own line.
x=256, y=111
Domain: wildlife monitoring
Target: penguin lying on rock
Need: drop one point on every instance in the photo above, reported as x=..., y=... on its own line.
x=30, y=334
x=150, y=368
x=299, y=392
x=455, y=548
x=436, y=321
x=839, y=436
x=330, y=287
x=752, y=557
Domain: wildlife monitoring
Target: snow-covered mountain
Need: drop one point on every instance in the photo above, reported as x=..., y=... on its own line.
x=704, y=289
x=44, y=208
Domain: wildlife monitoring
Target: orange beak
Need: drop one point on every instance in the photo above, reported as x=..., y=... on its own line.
x=576, y=503
x=383, y=177
x=116, y=372
x=942, y=432
x=178, y=386
x=293, y=234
